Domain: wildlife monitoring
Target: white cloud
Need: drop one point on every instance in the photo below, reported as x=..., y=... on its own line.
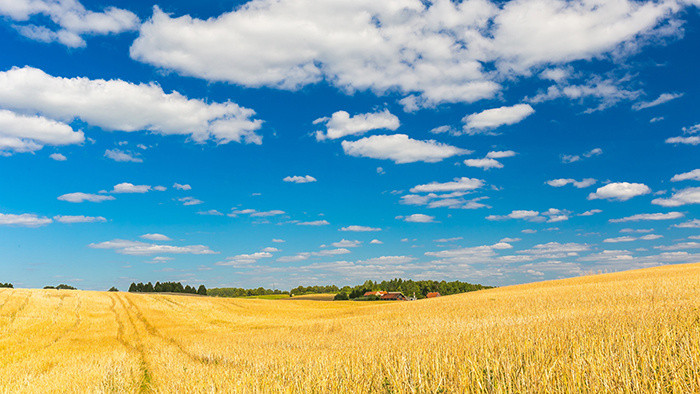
x=127, y=187
x=79, y=219
x=481, y=122
x=245, y=259
x=300, y=179
x=459, y=184
x=649, y=216
x=500, y=154
x=483, y=163
x=156, y=237
x=575, y=158
x=23, y=220
x=22, y=133
x=137, y=248
x=693, y=140
x=306, y=255
x=277, y=240
x=341, y=124
x=356, y=228
x=160, y=188
x=211, y=212
x=695, y=223
x=122, y=156
x=401, y=149
x=70, y=16
x=125, y=106
x=620, y=191
x=58, y=157
x=255, y=213
x=690, y=195
x=663, y=98
x=691, y=175
x=376, y=242
x=182, y=187
x=419, y=218
x=680, y=246
x=344, y=243
x=591, y=212
x=432, y=52
x=314, y=223
x=578, y=184
x=551, y=215
x=81, y=197
x=190, y=201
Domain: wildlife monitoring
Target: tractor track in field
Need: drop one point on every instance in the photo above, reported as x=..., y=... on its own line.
x=67, y=330
x=146, y=381
x=13, y=315
x=156, y=333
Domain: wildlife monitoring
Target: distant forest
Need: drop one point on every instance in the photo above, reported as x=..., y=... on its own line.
x=408, y=287
x=60, y=287
x=166, y=287
x=6, y=285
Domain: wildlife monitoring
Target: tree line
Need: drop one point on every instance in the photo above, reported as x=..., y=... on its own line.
x=166, y=287
x=420, y=288
x=240, y=292
x=60, y=287
x=6, y=285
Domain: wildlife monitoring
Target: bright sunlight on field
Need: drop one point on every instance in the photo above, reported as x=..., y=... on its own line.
x=630, y=331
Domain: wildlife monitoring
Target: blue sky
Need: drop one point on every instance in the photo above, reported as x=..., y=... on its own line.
x=285, y=143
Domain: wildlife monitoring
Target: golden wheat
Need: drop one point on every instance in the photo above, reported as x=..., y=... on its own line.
x=636, y=331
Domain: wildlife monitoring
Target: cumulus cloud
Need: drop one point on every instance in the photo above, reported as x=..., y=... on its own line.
x=620, y=191
x=663, y=98
x=122, y=156
x=137, y=248
x=432, y=52
x=578, y=184
x=344, y=243
x=695, y=223
x=58, y=157
x=482, y=122
x=79, y=219
x=300, y=179
x=627, y=238
x=417, y=218
x=692, y=140
x=120, y=105
x=401, y=149
x=459, y=184
x=551, y=215
x=500, y=154
x=23, y=220
x=341, y=124
x=81, y=197
x=690, y=195
x=246, y=259
x=190, y=201
x=306, y=255
x=575, y=158
x=127, y=187
x=483, y=163
x=156, y=237
x=71, y=18
x=691, y=175
x=376, y=242
x=23, y=133
x=590, y=212
x=255, y=213
x=314, y=223
x=356, y=228
x=182, y=187
x=649, y=216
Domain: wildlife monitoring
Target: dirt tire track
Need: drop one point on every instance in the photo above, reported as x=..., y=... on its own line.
x=145, y=384
x=14, y=314
x=155, y=332
x=73, y=326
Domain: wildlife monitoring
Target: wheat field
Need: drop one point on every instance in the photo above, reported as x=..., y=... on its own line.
x=635, y=331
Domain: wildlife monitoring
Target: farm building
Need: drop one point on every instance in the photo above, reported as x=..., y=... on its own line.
x=394, y=296
x=433, y=294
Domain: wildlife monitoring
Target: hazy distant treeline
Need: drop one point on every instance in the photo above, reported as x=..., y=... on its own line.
x=6, y=285
x=61, y=287
x=421, y=288
x=408, y=287
x=239, y=292
x=166, y=287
